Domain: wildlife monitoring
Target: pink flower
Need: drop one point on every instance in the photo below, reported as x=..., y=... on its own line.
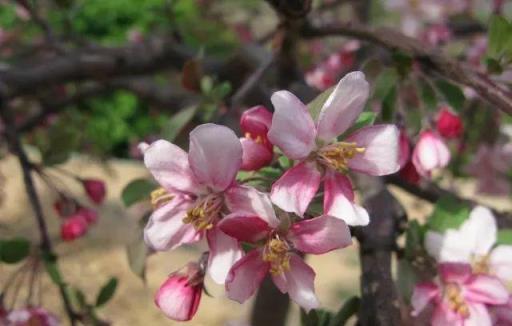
x=430, y=153
x=31, y=316
x=502, y=314
x=256, y=222
x=490, y=166
x=372, y=150
x=474, y=243
x=257, y=149
x=180, y=294
x=195, y=188
x=448, y=123
x=95, y=189
x=459, y=298
x=89, y=215
x=73, y=228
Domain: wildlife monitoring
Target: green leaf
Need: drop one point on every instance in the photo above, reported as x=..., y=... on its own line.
x=389, y=104
x=349, y=309
x=384, y=83
x=50, y=263
x=315, y=106
x=284, y=162
x=504, y=237
x=270, y=172
x=406, y=278
x=452, y=93
x=364, y=119
x=414, y=239
x=493, y=66
x=107, y=292
x=79, y=297
x=315, y=317
x=14, y=250
x=428, y=95
x=178, y=122
x=449, y=213
x=499, y=32
x=137, y=253
x=403, y=63
x=136, y=191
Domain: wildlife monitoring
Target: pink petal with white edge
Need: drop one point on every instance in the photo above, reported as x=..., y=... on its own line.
x=299, y=283
x=166, y=230
x=485, y=289
x=169, y=166
x=480, y=221
x=343, y=106
x=500, y=262
x=245, y=199
x=454, y=272
x=255, y=155
x=225, y=251
x=215, y=155
x=381, y=154
x=245, y=276
x=296, y=188
x=423, y=294
x=339, y=200
x=478, y=316
x=244, y=227
x=430, y=153
x=293, y=129
x=320, y=235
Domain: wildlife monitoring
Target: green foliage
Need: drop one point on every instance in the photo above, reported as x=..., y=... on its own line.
x=449, y=213
x=452, y=93
x=107, y=292
x=14, y=250
x=504, y=237
x=321, y=317
x=136, y=191
x=500, y=40
x=315, y=106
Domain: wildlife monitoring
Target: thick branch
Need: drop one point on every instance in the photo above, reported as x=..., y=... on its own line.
x=431, y=59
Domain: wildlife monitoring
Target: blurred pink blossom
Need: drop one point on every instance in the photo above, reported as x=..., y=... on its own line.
x=31, y=316
x=430, y=153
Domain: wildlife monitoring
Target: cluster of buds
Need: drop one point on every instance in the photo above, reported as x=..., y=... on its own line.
x=473, y=274
x=200, y=197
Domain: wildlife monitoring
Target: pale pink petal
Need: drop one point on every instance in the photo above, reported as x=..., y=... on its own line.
x=478, y=316
x=320, y=235
x=503, y=313
x=293, y=129
x=454, y=272
x=500, y=261
x=225, y=251
x=423, y=294
x=299, y=283
x=481, y=222
x=165, y=229
x=215, y=155
x=339, y=200
x=244, y=227
x=343, y=106
x=405, y=148
x=430, y=153
x=296, y=188
x=485, y=289
x=452, y=246
x=380, y=156
x=255, y=155
x=245, y=276
x=169, y=166
x=444, y=316
x=245, y=199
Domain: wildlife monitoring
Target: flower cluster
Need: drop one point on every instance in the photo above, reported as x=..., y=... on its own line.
x=473, y=274
x=201, y=198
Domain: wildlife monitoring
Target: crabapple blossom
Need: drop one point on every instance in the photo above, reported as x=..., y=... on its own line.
x=430, y=153
x=371, y=150
x=257, y=149
x=473, y=243
x=448, y=123
x=256, y=222
x=95, y=189
x=459, y=297
x=31, y=316
x=194, y=189
x=73, y=228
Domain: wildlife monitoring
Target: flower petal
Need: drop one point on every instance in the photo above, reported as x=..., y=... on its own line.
x=481, y=221
x=478, y=316
x=500, y=261
x=293, y=129
x=245, y=276
x=339, y=200
x=169, y=166
x=296, y=188
x=166, y=230
x=454, y=272
x=245, y=199
x=299, y=283
x=343, y=106
x=423, y=294
x=380, y=156
x=444, y=316
x=485, y=289
x=320, y=235
x=450, y=247
x=244, y=227
x=224, y=253
x=255, y=155
x=215, y=155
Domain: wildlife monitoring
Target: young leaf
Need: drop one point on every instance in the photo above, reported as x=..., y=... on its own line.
x=452, y=93
x=504, y=237
x=499, y=32
x=178, y=122
x=428, y=95
x=137, y=190
x=107, y=292
x=14, y=250
x=389, y=104
x=449, y=213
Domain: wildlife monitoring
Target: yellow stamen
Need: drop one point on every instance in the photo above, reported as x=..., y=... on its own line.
x=276, y=252
x=160, y=197
x=480, y=264
x=455, y=299
x=337, y=155
x=205, y=213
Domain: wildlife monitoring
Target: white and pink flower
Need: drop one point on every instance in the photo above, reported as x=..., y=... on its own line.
x=430, y=153
x=256, y=222
x=373, y=150
x=195, y=187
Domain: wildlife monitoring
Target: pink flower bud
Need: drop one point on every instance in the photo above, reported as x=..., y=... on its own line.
x=255, y=155
x=89, y=215
x=256, y=121
x=179, y=295
x=405, y=148
x=64, y=207
x=409, y=173
x=449, y=124
x=73, y=228
x=95, y=190
x=430, y=153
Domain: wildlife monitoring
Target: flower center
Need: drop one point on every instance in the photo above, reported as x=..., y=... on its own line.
x=276, y=252
x=337, y=155
x=455, y=300
x=480, y=264
x=160, y=197
x=205, y=213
